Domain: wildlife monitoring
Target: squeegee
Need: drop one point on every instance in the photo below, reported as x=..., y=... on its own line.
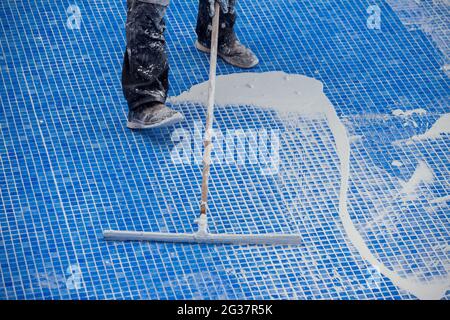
x=202, y=235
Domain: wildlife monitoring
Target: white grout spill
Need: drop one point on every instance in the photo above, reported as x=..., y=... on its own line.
x=438, y=129
x=276, y=90
x=397, y=163
x=422, y=174
x=441, y=126
x=303, y=96
x=408, y=113
x=431, y=17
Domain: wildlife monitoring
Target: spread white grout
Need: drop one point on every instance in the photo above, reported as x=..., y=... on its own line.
x=422, y=174
x=408, y=113
x=441, y=126
x=304, y=96
x=397, y=163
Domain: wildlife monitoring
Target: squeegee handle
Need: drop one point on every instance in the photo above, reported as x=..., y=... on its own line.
x=210, y=109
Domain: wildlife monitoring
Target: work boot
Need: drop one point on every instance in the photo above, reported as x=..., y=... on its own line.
x=156, y=115
x=232, y=52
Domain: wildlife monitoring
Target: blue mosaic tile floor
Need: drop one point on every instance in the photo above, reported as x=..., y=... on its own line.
x=70, y=168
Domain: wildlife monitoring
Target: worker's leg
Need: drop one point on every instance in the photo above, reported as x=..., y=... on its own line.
x=204, y=22
x=145, y=68
x=230, y=49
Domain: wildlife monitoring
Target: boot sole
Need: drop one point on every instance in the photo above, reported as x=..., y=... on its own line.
x=204, y=49
x=176, y=118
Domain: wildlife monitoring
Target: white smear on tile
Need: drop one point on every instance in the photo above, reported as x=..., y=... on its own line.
x=441, y=126
x=441, y=200
x=431, y=17
x=356, y=138
x=303, y=95
x=422, y=174
x=397, y=163
x=408, y=113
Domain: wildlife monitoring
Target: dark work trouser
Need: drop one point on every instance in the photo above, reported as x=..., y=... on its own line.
x=145, y=68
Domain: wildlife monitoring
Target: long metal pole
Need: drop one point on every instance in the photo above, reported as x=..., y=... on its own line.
x=210, y=110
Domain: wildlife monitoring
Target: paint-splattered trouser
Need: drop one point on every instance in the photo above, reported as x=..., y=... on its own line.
x=145, y=67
